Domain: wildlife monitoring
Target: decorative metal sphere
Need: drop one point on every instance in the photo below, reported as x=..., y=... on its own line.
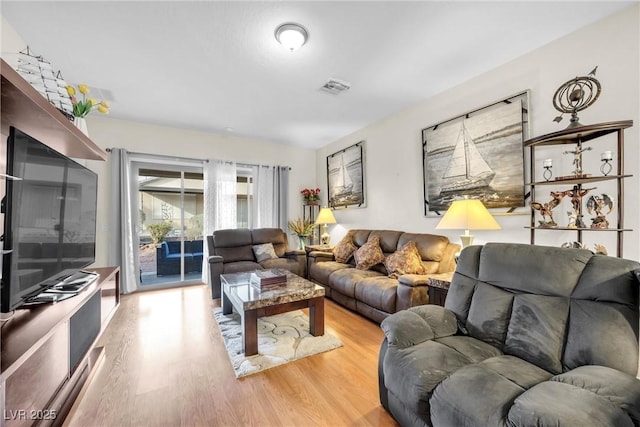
x=576, y=95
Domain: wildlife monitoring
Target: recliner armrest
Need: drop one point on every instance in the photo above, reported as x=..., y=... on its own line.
x=418, y=324
x=295, y=253
x=414, y=280
x=321, y=256
x=215, y=259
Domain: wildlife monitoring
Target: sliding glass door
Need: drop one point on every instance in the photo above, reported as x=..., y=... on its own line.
x=170, y=210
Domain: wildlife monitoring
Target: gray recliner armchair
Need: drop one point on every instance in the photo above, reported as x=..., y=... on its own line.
x=529, y=336
x=231, y=251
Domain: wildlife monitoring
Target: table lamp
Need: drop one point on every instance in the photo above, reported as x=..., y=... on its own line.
x=325, y=217
x=467, y=214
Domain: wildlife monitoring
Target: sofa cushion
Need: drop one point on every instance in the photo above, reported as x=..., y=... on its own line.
x=387, y=239
x=552, y=403
x=431, y=247
x=404, y=261
x=621, y=389
x=489, y=314
x=283, y=263
x=359, y=237
x=481, y=394
x=240, y=266
x=412, y=373
x=264, y=252
x=536, y=330
x=320, y=271
x=378, y=292
x=344, y=280
x=344, y=249
x=369, y=254
x=474, y=349
x=275, y=236
x=232, y=238
x=593, y=320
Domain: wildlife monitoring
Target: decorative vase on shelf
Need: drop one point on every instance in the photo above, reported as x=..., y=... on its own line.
x=312, y=202
x=81, y=123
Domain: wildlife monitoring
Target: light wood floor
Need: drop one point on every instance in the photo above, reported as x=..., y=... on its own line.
x=166, y=365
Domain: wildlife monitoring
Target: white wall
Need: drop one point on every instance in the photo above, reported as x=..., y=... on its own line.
x=146, y=138
x=10, y=43
x=393, y=159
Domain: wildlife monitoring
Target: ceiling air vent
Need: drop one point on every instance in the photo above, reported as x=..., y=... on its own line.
x=101, y=94
x=335, y=86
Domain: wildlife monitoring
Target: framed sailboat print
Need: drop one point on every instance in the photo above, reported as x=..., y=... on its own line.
x=345, y=177
x=477, y=155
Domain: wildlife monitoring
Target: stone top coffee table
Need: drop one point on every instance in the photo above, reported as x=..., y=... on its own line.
x=250, y=303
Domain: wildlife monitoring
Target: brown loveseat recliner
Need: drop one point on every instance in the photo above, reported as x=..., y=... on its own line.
x=231, y=251
x=372, y=292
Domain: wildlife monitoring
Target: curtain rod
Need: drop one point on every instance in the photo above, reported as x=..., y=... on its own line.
x=108, y=150
x=251, y=164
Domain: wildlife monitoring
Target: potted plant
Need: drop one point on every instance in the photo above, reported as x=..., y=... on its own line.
x=311, y=196
x=302, y=229
x=82, y=107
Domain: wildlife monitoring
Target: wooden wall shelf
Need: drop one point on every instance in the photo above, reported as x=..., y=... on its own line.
x=26, y=109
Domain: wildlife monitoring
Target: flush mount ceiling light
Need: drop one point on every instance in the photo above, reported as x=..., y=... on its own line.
x=291, y=35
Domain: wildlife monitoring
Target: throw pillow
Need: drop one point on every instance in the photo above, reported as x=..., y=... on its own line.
x=344, y=249
x=369, y=254
x=264, y=252
x=405, y=260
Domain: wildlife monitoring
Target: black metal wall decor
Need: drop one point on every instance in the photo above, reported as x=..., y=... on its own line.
x=576, y=95
x=345, y=177
x=478, y=155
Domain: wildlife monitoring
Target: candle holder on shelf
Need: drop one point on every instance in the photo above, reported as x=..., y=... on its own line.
x=606, y=166
x=547, y=164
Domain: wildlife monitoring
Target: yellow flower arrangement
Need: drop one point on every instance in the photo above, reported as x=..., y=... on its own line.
x=300, y=227
x=83, y=107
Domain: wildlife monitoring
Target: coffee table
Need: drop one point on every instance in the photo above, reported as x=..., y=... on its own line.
x=251, y=303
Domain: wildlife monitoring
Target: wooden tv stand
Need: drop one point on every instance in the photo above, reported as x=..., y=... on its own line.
x=48, y=352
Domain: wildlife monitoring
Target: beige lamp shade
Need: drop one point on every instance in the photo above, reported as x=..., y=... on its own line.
x=467, y=214
x=325, y=216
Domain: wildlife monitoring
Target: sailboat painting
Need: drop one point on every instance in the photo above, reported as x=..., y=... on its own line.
x=478, y=155
x=466, y=169
x=345, y=177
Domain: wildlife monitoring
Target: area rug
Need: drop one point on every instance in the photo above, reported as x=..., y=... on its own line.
x=281, y=339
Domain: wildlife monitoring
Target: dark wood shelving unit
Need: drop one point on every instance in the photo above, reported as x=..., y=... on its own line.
x=26, y=109
x=577, y=136
x=49, y=351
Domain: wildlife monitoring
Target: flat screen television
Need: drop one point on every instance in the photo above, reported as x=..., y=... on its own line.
x=49, y=219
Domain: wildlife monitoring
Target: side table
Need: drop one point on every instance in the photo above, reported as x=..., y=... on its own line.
x=438, y=287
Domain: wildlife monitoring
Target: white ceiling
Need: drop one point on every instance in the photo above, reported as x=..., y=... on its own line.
x=216, y=66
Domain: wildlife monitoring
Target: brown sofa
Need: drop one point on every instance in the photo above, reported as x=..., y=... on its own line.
x=231, y=251
x=372, y=292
